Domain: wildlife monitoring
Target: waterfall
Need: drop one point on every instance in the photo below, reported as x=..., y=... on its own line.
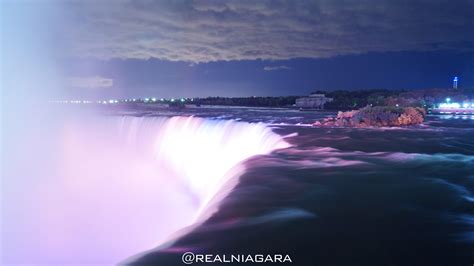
x=110, y=187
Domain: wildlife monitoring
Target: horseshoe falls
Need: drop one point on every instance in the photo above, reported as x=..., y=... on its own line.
x=100, y=189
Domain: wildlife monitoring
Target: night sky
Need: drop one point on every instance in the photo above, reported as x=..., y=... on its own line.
x=244, y=48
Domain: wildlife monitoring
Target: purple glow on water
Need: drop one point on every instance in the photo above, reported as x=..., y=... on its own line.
x=107, y=188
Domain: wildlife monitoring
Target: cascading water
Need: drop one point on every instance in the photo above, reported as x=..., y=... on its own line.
x=115, y=186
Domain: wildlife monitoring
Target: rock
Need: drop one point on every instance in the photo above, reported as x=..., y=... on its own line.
x=378, y=116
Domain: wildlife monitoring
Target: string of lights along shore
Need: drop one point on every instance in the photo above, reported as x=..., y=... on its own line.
x=179, y=101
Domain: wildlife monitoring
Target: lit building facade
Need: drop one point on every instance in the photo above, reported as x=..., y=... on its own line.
x=314, y=101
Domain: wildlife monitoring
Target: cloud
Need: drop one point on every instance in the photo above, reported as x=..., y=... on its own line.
x=273, y=68
x=90, y=82
x=204, y=31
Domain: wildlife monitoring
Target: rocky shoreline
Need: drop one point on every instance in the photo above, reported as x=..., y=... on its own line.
x=377, y=116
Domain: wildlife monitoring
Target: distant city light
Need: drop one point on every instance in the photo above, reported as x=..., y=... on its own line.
x=450, y=105
x=448, y=99
x=117, y=101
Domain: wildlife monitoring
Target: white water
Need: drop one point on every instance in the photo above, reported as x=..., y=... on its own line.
x=104, y=189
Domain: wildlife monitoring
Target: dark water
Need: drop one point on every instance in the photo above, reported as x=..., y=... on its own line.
x=339, y=196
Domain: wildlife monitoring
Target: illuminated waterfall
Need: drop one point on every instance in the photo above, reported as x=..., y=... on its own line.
x=117, y=186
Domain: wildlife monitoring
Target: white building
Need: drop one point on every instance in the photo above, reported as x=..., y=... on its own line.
x=314, y=101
